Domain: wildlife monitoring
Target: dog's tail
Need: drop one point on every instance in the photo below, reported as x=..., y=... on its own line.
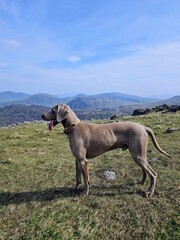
x=151, y=134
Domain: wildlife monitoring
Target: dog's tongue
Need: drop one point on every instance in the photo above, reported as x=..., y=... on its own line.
x=51, y=125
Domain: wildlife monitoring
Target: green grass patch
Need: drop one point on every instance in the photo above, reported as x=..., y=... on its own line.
x=37, y=177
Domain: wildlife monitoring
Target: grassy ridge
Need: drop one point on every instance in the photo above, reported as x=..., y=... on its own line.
x=37, y=179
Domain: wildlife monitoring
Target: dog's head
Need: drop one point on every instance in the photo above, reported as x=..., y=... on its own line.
x=56, y=115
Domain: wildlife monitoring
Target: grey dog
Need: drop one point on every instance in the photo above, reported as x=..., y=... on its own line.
x=88, y=140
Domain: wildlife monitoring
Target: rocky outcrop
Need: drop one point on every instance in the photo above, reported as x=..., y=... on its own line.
x=161, y=108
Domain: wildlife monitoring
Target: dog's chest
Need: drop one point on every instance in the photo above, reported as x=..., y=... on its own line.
x=92, y=145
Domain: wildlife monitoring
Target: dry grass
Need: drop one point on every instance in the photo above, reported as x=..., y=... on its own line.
x=36, y=188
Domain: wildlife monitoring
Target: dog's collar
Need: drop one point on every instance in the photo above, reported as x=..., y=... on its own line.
x=69, y=129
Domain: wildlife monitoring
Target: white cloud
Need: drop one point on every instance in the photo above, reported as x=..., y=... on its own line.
x=74, y=59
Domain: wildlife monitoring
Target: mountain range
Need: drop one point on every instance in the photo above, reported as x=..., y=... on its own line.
x=108, y=101
x=20, y=107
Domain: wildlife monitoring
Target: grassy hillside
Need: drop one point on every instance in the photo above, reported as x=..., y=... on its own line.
x=37, y=178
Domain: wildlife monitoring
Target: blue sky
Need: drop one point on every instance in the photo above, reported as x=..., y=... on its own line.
x=66, y=47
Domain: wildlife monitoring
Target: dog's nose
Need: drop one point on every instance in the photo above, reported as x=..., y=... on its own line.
x=42, y=116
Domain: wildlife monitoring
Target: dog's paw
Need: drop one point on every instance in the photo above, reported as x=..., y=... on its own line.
x=85, y=194
x=149, y=194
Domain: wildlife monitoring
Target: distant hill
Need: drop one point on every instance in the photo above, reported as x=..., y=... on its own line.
x=20, y=113
x=41, y=99
x=171, y=101
x=123, y=97
x=9, y=96
x=106, y=101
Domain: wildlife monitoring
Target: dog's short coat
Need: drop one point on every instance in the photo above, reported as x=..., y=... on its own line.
x=90, y=140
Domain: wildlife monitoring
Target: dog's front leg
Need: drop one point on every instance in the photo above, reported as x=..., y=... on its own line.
x=78, y=175
x=85, y=173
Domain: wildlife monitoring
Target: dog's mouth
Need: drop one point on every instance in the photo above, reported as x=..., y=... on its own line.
x=52, y=124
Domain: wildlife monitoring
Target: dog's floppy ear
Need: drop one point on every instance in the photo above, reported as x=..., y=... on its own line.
x=62, y=112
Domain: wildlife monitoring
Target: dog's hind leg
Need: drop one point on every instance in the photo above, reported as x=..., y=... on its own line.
x=147, y=170
x=139, y=154
x=144, y=177
x=153, y=177
x=138, y=150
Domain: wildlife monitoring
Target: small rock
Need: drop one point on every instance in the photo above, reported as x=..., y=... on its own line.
x=109, y=175
x=153, y=159
x=170, y=130
x=150, y=151
x=12, y=209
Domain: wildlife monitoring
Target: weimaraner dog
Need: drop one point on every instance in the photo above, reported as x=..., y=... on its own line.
x=90, y=140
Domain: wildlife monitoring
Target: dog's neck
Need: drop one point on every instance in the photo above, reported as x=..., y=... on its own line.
x=70, y=122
